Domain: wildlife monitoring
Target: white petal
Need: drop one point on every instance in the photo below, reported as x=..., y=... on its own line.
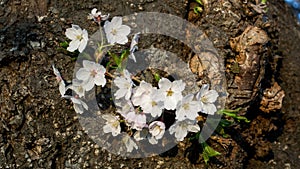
x=178, y=86
x=85, y=35
x=83, y=74
x=120, y=93
x=164, y=84
x=152, y=140
x=210, y=108
x=194, y=128
x=180, y=116
x=62, y=88
x=124, y=30
x=116, y=21
x=121, y=40
x=88, y=64
x=82, y=45
x=78, y=108
x=94, y=10
x=188, y=98
x=100, y=80
x=202, y=91
x=180, y=135
x=85, y=106
x=89, y=84
x=170, y=103
x=73, y=45
x=107, y=128
x=56, y=72
x=71, y=33
x=211, y=96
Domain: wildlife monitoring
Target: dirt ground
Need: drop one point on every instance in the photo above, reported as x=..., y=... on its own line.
x=38, y=129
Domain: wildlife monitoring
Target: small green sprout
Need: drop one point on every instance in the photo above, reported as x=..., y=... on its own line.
x=118, y=60
x=208, y=152
x=157, y=77
x=198, y=9
x=263, y=1
x=64, y=44
x=233, y=114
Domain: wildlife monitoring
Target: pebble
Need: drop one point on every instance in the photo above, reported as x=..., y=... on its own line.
x=285, y=147
x=287, y=166
x=141, y=8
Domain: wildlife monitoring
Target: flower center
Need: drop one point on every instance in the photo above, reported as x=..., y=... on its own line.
x=93, y=73
x=153, y=103
x=79, y=37
x=186, y=106
x=170, y=92
x=204, y=99
x=115, y=124
x=114, y=32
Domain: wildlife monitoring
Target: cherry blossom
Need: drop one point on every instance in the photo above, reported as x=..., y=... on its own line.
x=78, y=104
x=137, y=119
x=112, y=124
x=129, y=143
x=116, y=32
x=62, y=86
x=157, y=131
x=206, y=99
x=97, y=16
x=124, y=84
x=91, y=73
x=78, y=87
x=79, y=38
x=133, y=46
x=171, y=92
x=187, y=108
x=181, y=128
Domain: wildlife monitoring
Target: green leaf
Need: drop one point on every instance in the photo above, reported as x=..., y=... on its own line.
x=199, y=2
x=157, y=77
x=198, y=10
x=116, y=59
x=64, y=44
x=225, y=123
x=233, y=114
x=124, y=54
x=208, y=152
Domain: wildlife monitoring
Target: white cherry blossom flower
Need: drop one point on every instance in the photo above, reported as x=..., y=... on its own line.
x=187, y=108
x=140, y=92
x=116, y=32
x=78, y=104
x=206, y=99
x=171, y=92
x=133, y=46
x=136, y=119
x=97, y=16
x=157, y=131
x=78, y=87
x=62, y=86
x=91, y=73
x=112, y=124
x=181, y=128
x=124, y=107
x=124, y=84
x=129, y=143
x=153, y=103
x=79, y=38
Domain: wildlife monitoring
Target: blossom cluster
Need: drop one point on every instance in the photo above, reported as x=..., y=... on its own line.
x=144, y=101
x=141, y=106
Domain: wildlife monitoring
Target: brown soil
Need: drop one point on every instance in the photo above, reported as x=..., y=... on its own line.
x=38, y=129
